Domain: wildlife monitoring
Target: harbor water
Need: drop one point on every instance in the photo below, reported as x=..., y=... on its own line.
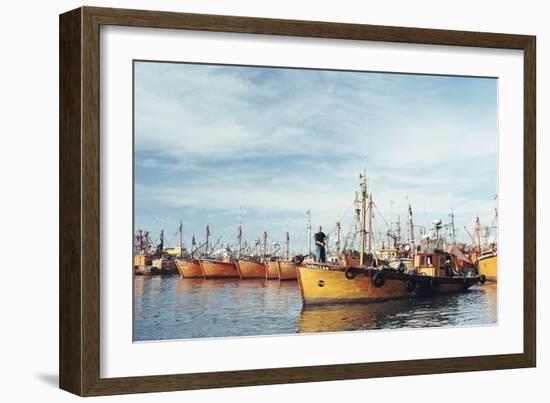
x=169, y=307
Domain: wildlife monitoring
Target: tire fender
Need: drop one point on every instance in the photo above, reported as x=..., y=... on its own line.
x=378, y=279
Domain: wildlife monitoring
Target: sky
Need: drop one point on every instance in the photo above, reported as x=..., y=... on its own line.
x=223, y=145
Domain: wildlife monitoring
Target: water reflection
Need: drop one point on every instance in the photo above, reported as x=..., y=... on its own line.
x=168, y=307
x=475, y=307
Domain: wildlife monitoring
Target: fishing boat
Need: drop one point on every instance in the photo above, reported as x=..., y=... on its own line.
x=432, y=273
x=251, y=268
x=287, y=270
x=164, y=265
x=212, y=268
x=189, y=268
x=272, y=270
x=487, y=264
x=144, y=270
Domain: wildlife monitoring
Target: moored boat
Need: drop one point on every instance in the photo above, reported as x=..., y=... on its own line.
x=333, y=283
x=287, y=270
x=488, y=266
x=218, y=269
x=164, y=266
x=272, y=270
x=251, y=269
x=433, y=272
x=144, y=270
x=189, y=268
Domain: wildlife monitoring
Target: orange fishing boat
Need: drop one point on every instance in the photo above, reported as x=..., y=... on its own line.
x=272, y=270
x=218, y=269
x=251, y=269
x=189, y=268
x=287, y=270
x=334, y=283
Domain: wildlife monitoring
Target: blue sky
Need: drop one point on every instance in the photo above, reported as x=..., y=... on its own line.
x=224, y=144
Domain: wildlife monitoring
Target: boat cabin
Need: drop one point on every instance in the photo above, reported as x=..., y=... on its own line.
x=434, y=262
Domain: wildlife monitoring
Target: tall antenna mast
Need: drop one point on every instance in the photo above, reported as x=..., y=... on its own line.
x=357, y=225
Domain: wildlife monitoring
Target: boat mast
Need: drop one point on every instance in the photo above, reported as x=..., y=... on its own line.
x=147, y=242
x=161, y=244
x=207, y=244
x=308, y=226
x=240, y=233
x=357, y=224
x=453, y=229
x=363, y=187
x=240, y=238
x=141, y=242
x=370, y=222
x=265, y=243
x=287, y=245
x=181, y=238
x=398, y=229
x=411, y=228
x=338, y=235
x=477, y=232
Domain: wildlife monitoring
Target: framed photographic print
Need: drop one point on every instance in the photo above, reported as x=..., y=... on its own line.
x=249, y=201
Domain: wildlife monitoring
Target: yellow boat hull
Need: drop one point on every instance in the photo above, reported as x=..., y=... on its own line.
x=325, y=283
x=251, y=269
x=218, y=269
x=189, y=268
x=488, y=267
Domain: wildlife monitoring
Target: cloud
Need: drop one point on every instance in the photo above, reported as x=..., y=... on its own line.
x=213, y=141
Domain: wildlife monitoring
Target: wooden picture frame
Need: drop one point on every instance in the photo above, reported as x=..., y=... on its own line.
x=79, y=346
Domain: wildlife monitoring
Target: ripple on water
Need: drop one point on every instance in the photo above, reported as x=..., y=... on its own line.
x=168, y=307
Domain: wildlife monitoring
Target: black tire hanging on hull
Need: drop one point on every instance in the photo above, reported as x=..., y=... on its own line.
x=378, y=279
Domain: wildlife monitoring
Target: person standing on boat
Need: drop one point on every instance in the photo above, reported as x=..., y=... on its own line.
x=320, y=255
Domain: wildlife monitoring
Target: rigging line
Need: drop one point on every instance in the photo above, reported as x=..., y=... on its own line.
x=380, y=214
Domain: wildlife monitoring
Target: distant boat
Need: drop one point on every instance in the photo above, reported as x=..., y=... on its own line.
x=251, y=269
x=164, y=265
x=287, y=270
x=218, y=269
x=189, y=268
x=272, y=270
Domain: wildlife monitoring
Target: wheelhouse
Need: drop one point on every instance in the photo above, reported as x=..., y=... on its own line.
x=435, y=263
